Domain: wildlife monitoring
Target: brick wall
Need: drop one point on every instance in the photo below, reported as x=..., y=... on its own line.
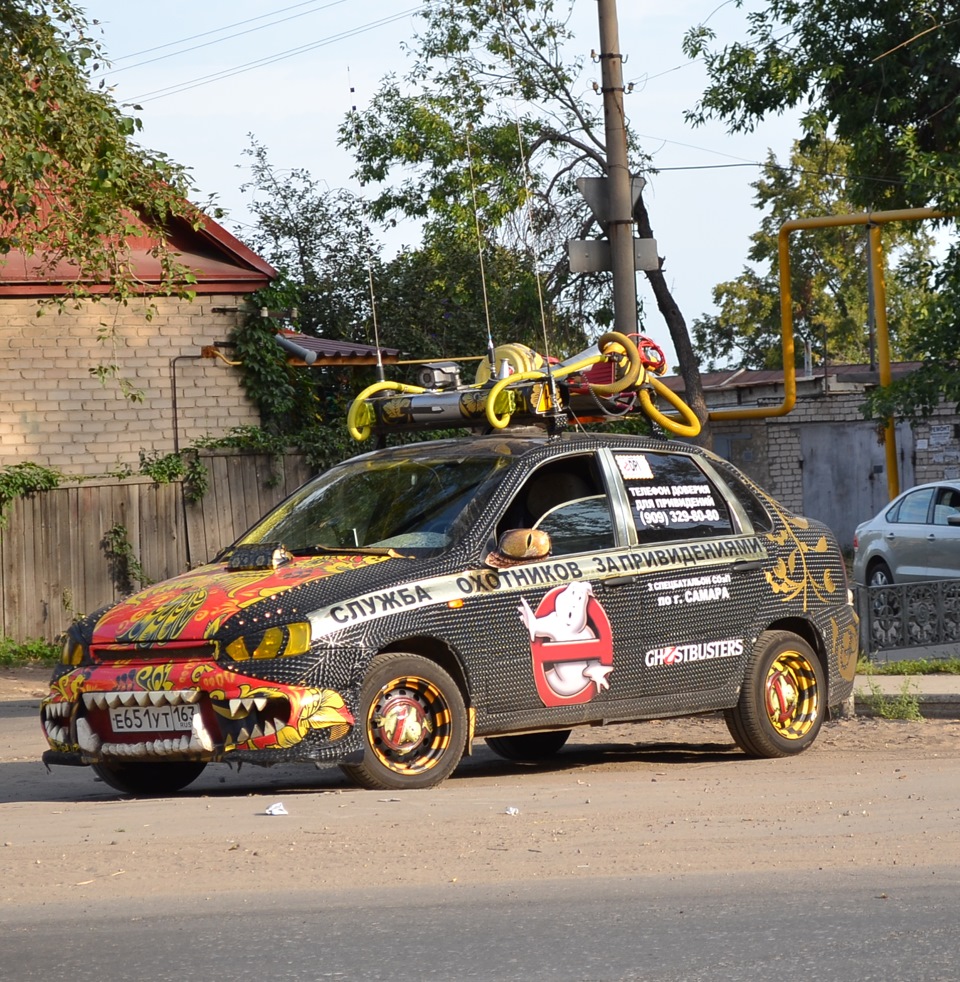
x=55, y=413
x=769, y=450
x=938, y=447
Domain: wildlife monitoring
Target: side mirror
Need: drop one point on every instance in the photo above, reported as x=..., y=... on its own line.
x=520, y=546
x=953, y=520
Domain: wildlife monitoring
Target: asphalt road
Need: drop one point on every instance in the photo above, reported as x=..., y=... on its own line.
x=655, y=851
x=681, y=929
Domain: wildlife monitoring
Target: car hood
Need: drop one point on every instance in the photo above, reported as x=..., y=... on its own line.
x=198, y=605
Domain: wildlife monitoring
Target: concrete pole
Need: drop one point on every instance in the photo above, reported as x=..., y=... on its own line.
x=620, y=226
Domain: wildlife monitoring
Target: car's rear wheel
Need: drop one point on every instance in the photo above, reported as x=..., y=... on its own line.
x=783, y=699
x=146, y=779
x=529, y=747
x=879, y=574
x=414, y=724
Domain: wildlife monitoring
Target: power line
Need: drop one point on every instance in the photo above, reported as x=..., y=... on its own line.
x=693, y=146
x=270, y=59
x=708, y=166
x=226, y=27
x=206, y=44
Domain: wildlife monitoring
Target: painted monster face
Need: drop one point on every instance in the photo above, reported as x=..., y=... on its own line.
x=184, y=709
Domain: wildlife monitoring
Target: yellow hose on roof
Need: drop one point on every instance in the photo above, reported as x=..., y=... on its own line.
x=361, y=431
x=608, y=344
x=692, y=425
x=500, y=422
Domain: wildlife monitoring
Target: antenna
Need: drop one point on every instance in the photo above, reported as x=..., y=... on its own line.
x=491, y=353
x=376, y=329
x=558, y=416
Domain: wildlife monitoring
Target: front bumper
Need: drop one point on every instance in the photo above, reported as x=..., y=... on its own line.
x=192, y=710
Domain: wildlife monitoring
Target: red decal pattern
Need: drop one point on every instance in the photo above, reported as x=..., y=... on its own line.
x=196, y=604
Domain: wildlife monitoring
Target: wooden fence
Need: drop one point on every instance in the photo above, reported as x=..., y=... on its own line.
x=55, y=559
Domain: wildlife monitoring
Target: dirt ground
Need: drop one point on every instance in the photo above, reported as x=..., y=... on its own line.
x=662, y=797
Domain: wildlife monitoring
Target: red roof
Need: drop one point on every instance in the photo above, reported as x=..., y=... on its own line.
x=748, y=378
x=332, y=352
x=220, y=262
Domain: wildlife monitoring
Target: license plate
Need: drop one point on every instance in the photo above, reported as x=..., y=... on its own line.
x=152, y=719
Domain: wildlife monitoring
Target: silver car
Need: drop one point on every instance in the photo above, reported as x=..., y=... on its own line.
x=916, y=537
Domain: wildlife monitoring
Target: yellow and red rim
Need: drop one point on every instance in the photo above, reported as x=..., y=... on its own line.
x=791, y=695
x=409, y=725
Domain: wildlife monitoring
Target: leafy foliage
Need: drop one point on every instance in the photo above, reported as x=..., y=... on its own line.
x=73, y=185
x=29, y=651
x=185, y=465
x=917, y=666
x=488, y=133
x=426, y=302
x=124, y=566
x=904, y=705
x=829, y=284
x=883, y=79
x=20, y=480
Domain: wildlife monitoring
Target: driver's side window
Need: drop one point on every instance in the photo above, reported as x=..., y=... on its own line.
x=578, y=526
x=566, y=499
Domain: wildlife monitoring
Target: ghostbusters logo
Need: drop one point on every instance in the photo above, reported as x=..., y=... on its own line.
x=571, y=645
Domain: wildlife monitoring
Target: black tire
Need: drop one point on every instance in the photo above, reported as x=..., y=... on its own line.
x=529, y=748
x=879, y=574
x=783, y=699
x=150, y=779
x=414, y=724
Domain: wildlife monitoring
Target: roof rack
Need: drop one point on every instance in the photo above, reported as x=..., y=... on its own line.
x=613, y=379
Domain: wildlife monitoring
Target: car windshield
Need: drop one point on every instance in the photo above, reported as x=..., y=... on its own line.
x=411, y=505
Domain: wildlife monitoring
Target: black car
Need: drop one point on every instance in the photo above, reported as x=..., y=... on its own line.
x=410, y=600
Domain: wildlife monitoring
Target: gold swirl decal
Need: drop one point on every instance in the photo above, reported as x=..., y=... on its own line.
x=473, y=404
x=792, y=576
x=166, y=622
x=846, y=643
x=154, y=678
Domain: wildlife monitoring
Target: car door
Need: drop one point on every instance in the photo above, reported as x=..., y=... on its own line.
x=548, y=644
x=684, y=595
x=910, y=535
x=944, y=536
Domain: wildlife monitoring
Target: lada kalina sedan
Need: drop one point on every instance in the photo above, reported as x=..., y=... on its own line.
x=410, y=600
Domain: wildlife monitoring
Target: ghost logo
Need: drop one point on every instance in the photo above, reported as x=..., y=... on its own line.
x=571, y=645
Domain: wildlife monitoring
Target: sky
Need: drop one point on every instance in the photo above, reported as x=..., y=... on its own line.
x=209, y=75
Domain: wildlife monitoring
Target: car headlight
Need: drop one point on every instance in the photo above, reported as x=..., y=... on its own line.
x=274, y=642
x=72, y=651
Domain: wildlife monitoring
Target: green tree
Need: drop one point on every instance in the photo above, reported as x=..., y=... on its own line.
x=882, y=78
x=428, y=302
x=322, y=242
x=73, y=185
x=829, y=285
x=488, y=130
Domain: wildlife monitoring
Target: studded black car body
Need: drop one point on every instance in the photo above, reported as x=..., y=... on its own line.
x=412, y=599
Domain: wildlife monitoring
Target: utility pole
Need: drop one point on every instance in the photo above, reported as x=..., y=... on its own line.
x=620, y=218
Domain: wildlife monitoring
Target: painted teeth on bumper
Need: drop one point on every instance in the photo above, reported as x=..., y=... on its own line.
x=115, y=700
x=263, y=718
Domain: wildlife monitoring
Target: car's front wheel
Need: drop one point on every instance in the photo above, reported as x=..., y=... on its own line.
x=414, y=724
x=145, y=779
x=879, y=574
x=783, y=699
x=529, y=747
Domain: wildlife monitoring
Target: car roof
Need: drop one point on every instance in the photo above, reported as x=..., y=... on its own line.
x=919, y=487
x=520, y=444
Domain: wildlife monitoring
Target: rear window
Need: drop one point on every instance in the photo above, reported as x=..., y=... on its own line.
x=749, y=499
x=914, y=508
x=671, y=497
